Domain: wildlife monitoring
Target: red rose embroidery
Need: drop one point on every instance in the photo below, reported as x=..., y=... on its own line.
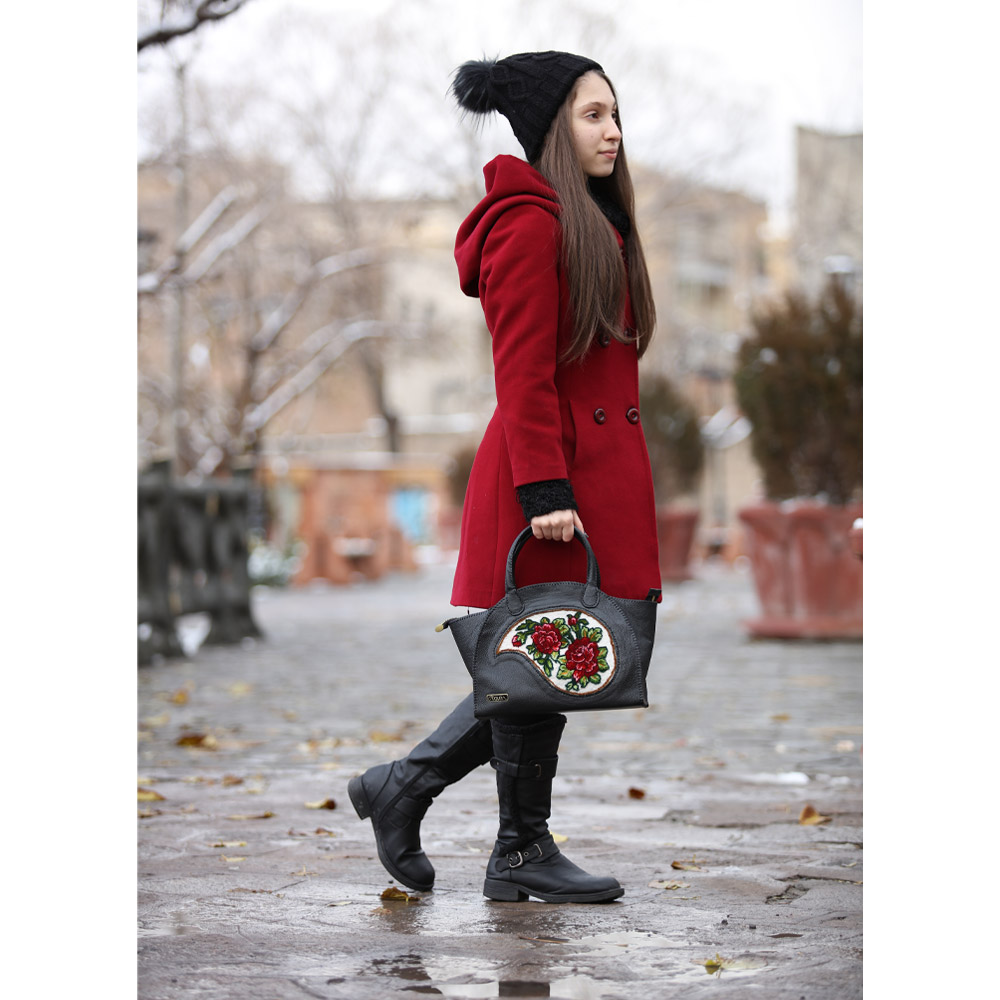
x=547, y=638
x=581, y=658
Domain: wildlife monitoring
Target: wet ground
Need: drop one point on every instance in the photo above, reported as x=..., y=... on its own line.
x=251, y=886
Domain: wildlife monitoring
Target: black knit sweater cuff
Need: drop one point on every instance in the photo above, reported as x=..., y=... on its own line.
x=544, y=497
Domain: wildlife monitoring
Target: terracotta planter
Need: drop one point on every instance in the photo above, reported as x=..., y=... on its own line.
x=675, y=530
x=807, y=576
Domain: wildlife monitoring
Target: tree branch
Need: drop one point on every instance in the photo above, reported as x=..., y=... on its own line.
x=152, y=281
x=226, y=241
x=290, y=305
x=206, y=10
x=264, y=411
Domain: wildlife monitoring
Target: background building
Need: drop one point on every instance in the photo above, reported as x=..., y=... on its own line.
x=328, y=343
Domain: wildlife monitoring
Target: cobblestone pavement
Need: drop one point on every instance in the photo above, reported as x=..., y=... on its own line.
x=245, y=891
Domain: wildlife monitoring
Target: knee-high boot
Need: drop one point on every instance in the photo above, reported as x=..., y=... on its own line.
x=525, y=860
x=396, y=795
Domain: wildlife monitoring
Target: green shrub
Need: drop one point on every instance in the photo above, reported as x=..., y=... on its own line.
x=799, y=383
x=673, y=438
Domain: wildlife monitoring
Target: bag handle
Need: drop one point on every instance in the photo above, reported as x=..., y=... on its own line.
x=591, y=593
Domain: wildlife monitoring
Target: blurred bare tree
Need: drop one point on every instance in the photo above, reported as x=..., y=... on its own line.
x=245, y=308
x=267, y=217
x=180, y=17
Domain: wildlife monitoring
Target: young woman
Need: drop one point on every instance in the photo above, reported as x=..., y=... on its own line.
x=554, y=257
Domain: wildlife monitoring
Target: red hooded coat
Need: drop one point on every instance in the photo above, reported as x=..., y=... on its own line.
x=576, y=420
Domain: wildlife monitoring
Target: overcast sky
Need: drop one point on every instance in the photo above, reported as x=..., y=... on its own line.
x=786, y=62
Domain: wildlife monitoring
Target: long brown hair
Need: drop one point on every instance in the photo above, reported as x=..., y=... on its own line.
x=595, y=271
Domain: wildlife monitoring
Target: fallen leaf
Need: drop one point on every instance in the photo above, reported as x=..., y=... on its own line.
x=315, y=746
x=231, y=779
x=179, y=697
x=322, y=804
x=263, y=815
x=224, y=858
x=669, y=885
x=710, y=762
x=204, y=741
x=636, y=793
x=198, y=779
x=303, y=871
x=717, y=964
x=148, y=795
x=149, y=813
x=322, y=831
x=378, y=736
x=153, y=721
x=809, y=817
x=230, y=843
x=240, y=688
x=686, y=866
x=780, y=717
x=394, y=894
x=559, y=838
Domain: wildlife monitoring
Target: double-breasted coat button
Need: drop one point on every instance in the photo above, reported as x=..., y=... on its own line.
x=604, y=338
x=600, y=416
x=632, y=416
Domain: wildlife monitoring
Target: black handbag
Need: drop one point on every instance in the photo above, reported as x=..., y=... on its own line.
x=557, y=647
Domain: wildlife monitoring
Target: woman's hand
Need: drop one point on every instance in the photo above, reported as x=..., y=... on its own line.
x=557, y=526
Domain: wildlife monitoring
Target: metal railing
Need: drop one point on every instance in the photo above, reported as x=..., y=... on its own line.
x=192, y=548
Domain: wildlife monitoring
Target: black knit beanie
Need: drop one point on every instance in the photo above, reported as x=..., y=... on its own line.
x=528, y=89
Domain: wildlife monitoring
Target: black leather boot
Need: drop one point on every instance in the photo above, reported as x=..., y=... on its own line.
x=525, y=860
x=396, y=795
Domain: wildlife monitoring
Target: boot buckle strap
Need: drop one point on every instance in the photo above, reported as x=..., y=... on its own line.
x=537, y=769
x=517, y=858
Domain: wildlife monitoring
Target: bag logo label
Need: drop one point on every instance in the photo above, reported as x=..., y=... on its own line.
x=572, y=651
x=499, y=696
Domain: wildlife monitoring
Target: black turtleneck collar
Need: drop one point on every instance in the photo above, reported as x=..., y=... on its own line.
x=613, y=213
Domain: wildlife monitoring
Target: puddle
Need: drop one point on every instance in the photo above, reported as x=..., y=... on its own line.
x=473, y=979
x=569, y=988
x=170, y=925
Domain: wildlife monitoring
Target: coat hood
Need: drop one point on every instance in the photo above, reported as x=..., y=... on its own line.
x=510, y=182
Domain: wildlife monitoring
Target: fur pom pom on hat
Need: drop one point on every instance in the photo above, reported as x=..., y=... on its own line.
x=527, y=89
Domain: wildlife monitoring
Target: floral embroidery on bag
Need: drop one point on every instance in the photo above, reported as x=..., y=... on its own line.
x=573, y=652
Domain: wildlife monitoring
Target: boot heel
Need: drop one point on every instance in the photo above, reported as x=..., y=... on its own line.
x=504, y=891
x=356, y=791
